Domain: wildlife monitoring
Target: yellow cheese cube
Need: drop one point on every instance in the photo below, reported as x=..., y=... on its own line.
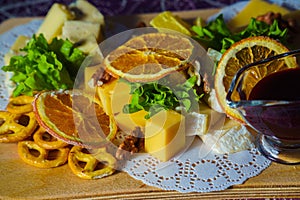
x=88, y=82
x=105, y=92
x=114, y=95
x=54, y=21
x=128, y=122
x=165, y=134
x=20, y=42
x=253, y=9
x=15, y=48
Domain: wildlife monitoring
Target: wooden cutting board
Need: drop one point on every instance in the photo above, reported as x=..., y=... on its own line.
x=21, y=181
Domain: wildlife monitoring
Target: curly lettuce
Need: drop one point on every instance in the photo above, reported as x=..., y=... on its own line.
x=155, y=96
x=216, y=34
x=45, y=66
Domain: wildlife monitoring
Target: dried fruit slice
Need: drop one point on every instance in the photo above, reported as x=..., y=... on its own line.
x=74, y=117
x=150, y=56
x=240, y=54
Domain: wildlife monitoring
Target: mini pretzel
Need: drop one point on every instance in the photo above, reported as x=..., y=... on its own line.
x=96, y=166
x=20, y=104
x=32, y=154
x=16, y=127
x=47, y=141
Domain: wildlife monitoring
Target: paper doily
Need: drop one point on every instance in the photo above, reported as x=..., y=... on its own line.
x=189, y=172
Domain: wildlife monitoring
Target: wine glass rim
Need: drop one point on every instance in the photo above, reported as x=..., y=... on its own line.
x=263, y=103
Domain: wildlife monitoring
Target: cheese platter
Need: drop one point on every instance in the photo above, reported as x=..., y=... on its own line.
x=19, y=180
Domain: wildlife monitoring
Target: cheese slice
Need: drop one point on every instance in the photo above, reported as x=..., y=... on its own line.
x=165, y=134
x=54, y=21
x=253, y=9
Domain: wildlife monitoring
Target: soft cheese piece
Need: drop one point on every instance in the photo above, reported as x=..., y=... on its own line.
x=54, y=21
x=198, y=123
x=165, y=134
x=231, y=137
x=85, y=34
x=253, y=9
x=88, y=12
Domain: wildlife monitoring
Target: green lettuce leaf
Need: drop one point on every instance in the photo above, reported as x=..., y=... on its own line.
x=45, y=66
x=156, y=96
x=216, y=34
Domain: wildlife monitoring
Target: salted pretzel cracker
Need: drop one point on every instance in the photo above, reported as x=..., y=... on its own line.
x=46, y=140
x=20, y=104
x=16, y=127
x=97, y=165
x=32, y=154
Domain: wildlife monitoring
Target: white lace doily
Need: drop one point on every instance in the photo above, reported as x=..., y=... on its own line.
x=189, y=172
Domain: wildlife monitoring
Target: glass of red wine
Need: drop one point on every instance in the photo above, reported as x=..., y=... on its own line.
x=272, y=107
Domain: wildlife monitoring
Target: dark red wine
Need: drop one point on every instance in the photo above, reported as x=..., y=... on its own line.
x=280, y=121
x=282, y=85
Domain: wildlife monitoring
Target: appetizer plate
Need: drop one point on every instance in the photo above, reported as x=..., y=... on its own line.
x=145, y=176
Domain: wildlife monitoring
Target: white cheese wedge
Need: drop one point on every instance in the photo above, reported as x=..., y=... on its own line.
x=213, y=102
x=85, y=34
x=88, y=13
x=232, y=137
x=198, y=123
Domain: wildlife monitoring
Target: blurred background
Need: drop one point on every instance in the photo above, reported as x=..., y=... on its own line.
x=28, y=8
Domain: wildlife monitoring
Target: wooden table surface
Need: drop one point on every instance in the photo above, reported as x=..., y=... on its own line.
x=21, y=181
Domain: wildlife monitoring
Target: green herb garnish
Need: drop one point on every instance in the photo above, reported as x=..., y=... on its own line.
x=156, y=96
x=45, y=66
x=217, y=35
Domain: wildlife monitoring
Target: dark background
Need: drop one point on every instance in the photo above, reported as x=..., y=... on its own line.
x=27, y=8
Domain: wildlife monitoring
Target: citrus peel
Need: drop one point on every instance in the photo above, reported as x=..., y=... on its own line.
x=74, y=117
x=240, y=54
x=150, y=56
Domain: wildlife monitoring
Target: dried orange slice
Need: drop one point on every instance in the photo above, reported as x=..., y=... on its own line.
x=240, y=54
x=150, y=56
x=74, y=117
